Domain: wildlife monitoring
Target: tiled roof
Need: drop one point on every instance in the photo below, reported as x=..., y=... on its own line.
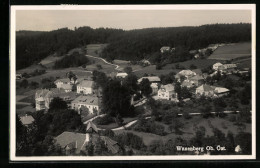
x=86, y=83
x=111, y=144
x=88, y=99
x=66, y=86
x=168, y=87
x=91, y=127
x=27, y=119
x=64, y=80
x=221, y=90
x=150, y=78
x=72, y=139
x=206, y=88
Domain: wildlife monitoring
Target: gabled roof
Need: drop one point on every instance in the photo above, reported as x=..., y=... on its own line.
x=150, y=78
x=72, y=140
x=66, y=86
x=217, y=64
x=165, y=48
x=86, y=83
x=121, y=74
x=54, y=92
x=111, y=144
x=185, y=72
x=221, y=90
x=91, y=127
x=206, y=88
x=154, y=85
x=88, y=100
x=168, y=87
x=64, y=80
x=41, y=93
x=27, y=119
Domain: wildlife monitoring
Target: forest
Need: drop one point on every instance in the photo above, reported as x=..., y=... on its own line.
x=131, y=45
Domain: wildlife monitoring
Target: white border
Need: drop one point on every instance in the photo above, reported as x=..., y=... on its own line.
x=12, y=113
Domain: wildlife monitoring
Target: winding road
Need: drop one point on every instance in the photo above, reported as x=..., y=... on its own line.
x=117, y=66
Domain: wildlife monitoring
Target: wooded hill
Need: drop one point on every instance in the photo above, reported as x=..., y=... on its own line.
x=126, y=45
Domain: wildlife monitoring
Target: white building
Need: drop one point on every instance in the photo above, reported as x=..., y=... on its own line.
x=62, y=81
x=91, y=102
x=85, y=87
x=165, y=49
x=216, y=66
x=121, y=75
x=166, y=92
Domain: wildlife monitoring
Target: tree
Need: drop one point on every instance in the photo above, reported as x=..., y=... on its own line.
x=24, y=83
x=130, y=82
x=116, y=99
x=145, y=87
x=34, y=85
x=206, y=111
x=57, y=104
x=128, y=70
x=100, y=78
x=74, y=78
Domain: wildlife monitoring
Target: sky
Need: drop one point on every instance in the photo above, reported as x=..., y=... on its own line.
x=47, y=20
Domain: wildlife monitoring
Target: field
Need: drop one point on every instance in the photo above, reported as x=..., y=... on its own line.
x=200, y=63
x=232, y=51
x=49, y=61
x=222, y=124
x=95, y=49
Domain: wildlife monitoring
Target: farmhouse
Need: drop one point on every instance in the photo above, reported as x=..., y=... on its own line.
x=72, y=142
x=91, y=102
x=166, y=92
x=211, y=91
x=165, y=49
x=186, y=73
x=43, y=97
x=121, y=75
x=62, y=81
x=216, y=66
x=26, y=120
x=152, y=79
x=205, y=90
x=85, y=87
x=66, y=87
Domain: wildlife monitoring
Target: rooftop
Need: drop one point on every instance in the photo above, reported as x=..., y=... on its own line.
x=150, y=78
x=86, y=83
x=168, y=87
x=66, y=86
x=64, y=80
x=88, y=99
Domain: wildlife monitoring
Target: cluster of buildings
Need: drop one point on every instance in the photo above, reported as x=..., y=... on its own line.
x=84, y=95
x=165, y=49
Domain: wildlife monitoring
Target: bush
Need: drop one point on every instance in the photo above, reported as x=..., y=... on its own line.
x=104, y=120
x=150, y=127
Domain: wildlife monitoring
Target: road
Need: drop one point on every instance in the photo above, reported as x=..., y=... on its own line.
x=117, y=66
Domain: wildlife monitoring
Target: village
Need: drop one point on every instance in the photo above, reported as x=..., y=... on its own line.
x=83, y=94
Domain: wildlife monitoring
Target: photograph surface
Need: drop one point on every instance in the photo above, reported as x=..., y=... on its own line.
x=132, y=82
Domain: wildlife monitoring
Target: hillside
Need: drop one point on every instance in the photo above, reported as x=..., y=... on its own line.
x=31, y=47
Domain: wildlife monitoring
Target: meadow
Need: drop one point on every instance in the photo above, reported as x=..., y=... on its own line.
x=232, y=51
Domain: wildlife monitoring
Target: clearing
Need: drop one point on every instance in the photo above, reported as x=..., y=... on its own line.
x=232, y=51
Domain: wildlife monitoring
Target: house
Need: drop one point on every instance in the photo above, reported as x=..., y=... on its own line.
x=154, y=87
x=111, y=145
x=72, y=142
x=220, y=91
x=145, y=62
x=121, y=75
x=26, y=120
x=85, y=87
x=61, y=81
x=91, y=127
x=196, y=80
x=165, y=49
x=90, y=101
x=211, y=91
x=216, y=66
x=205, y=90
x=66, y=87
x=227, y=68
x=186, y=73
x=152, y=79
x=43, y=97
x=166, y=92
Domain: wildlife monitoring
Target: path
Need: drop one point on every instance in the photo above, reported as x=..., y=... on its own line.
x=94, y=118
x=117, y=66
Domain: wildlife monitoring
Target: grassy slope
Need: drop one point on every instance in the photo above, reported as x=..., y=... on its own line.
x=228, y=52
